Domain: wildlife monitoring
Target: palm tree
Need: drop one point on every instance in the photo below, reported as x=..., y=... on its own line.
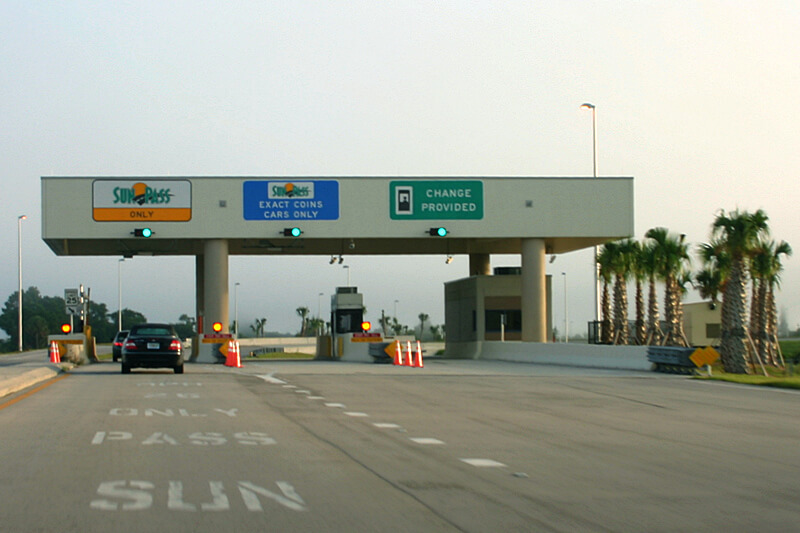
x=765, y=270
x=649, y=265
x=737, y=234
x=315, y=325
x=620, y=260
x=760, y=265
x=422, y=318
x=671, y=258
x=773, y=280
x=709, y=279
x=604, y=261
x=302, y=312
x=258, y=326
x=640, y=274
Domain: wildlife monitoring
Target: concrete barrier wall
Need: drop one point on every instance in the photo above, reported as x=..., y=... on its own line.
x=290, y=344
x=586, y=355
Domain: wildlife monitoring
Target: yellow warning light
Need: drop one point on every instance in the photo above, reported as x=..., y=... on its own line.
x=365, y=326
x=217, y=327
x=66, y=328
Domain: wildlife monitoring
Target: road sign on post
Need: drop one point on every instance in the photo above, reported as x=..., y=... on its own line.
x=72, y=300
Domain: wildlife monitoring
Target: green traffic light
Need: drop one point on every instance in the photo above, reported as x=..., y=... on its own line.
x=292, y=232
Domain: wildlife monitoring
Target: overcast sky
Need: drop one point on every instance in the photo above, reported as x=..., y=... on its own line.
x=697, y=100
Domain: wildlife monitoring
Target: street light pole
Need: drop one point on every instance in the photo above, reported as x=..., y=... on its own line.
x=595, y=267
x=320, y=322
x=119, y=294
x=236, y=309
x=347, y=267
x=594, y=136
x=19, y=294
x=566, y=313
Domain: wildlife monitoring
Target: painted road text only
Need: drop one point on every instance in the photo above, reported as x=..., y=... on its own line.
x=133, y=495
x=247, y=438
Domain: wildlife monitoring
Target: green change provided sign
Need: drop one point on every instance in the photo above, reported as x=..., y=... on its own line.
x=436, y=200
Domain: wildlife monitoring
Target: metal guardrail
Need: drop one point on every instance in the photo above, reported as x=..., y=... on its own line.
x=266, y=349
x=671, y=359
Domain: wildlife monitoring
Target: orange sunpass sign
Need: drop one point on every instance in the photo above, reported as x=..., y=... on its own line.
x=142, y=200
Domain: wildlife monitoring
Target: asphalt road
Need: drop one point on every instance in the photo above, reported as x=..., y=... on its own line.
x=456, y=446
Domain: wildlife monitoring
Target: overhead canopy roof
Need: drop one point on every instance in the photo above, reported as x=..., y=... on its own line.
x=337, y=215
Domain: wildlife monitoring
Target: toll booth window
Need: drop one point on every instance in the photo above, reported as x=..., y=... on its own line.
x=513, y=318
x=349, y=320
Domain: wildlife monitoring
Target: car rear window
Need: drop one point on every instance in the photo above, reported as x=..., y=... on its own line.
x=152, y=331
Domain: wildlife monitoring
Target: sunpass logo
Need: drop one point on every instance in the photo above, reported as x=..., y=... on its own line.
x=141, y=194
x=121, y=200
x=301, y=189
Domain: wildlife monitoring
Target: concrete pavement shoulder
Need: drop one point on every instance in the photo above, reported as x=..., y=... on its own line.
x=15, y=378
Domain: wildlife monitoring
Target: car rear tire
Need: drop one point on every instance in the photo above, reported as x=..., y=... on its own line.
x=126, y=369
x=179, y=369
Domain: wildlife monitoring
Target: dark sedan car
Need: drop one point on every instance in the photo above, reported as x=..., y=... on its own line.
x=116, y=345
x=152, y=346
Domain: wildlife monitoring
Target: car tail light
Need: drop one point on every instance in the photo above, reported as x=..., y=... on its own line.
x=130, y=345
x=175, y=346
x=117, y=343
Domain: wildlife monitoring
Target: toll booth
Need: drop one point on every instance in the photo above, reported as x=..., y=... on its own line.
x=483, y=309
x=347, y=311
x=76, y=348
x=349, y=341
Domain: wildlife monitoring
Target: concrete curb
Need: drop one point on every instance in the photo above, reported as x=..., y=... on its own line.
x=10, y=385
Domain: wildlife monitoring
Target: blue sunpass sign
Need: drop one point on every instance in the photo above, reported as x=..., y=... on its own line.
x=291, y=200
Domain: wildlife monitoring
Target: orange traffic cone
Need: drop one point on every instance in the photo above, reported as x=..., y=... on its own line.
x=419, y=355
x=55, y=355
x=409, y=356
x=232, y=359
x=398, y=353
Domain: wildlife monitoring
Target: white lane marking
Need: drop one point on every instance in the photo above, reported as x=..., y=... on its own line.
x=290, y=386
x=339, y=405
x=483, y=463
x=170, y=384
x=298, y=391
x=269, y=378
x=316, y=397
x=386, y=425
x=356, y=414
x=426, y=440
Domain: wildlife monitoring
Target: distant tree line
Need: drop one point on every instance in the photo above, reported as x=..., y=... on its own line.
x=44, y=315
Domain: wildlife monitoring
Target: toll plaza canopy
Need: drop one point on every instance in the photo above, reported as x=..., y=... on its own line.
x=352, y=215
x=213, y=217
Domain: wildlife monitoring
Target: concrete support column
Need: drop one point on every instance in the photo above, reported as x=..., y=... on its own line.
x=215, y=283
x=199, y=291
x=534, y=292
x=480, y=265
